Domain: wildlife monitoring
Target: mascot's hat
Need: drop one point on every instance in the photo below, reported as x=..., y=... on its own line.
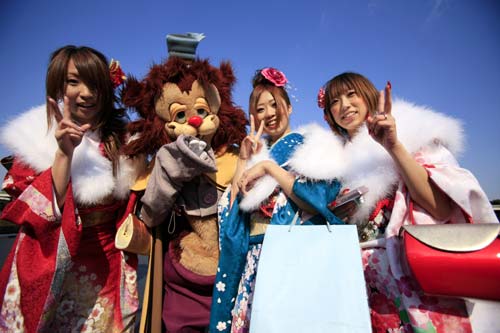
x=183, y=45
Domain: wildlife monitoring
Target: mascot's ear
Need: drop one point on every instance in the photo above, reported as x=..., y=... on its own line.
x=227, y=73
x=132, y=93
x=213, y=98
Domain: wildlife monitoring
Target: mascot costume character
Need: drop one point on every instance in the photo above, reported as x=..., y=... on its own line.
x=190, y=127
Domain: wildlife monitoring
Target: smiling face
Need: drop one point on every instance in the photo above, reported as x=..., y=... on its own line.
x=192, y=112
x=83, y=102
x=349, y=98
x=349, y=110
x=275, y=114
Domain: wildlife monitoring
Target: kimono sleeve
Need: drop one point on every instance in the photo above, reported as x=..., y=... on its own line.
x=318, y=194
x=18, y=178
x=458, y=183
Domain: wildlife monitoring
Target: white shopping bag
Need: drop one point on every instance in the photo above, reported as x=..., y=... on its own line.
x=310, y=279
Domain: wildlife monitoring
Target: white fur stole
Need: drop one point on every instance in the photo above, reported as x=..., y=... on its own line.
x=364, y=162
x=91, y=173
x=263, y=187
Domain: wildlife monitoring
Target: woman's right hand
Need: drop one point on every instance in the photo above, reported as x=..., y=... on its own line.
x=251, y=143
x=68, y=134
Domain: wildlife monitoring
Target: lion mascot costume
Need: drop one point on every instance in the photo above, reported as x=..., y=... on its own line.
x=190, y=127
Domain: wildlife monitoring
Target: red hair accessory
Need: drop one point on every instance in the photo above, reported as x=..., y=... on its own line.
x=321, y=98
x=116, y=73
x=275, y=76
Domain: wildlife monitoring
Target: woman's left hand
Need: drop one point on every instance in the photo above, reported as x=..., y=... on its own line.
x=250, y=176
x=382, y=125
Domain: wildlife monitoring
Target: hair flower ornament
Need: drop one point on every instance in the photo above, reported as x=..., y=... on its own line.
x=275, y=76
x=116, y=73
x=321, y=98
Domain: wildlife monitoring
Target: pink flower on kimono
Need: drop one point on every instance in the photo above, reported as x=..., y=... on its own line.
x=239, y=323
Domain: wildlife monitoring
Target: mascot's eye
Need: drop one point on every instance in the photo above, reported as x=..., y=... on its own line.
x=202, y=113
x=180, y=117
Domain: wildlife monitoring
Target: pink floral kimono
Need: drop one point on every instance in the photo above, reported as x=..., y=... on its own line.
x=396, y=302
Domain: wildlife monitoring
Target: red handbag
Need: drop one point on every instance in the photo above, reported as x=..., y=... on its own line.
x=459, y=260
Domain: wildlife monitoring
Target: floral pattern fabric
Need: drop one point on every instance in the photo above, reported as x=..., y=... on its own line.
x=240, y=248
x=61, y=276
x=243, y=303
x=397, y=304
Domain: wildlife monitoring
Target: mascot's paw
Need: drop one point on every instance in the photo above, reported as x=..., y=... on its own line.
x=198, y=147
x=198, y=256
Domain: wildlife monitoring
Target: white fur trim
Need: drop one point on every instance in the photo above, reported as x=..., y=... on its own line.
x=263, y=187
x=91, y=173
x=420, y=126
x=364, y=162
x=27, y=137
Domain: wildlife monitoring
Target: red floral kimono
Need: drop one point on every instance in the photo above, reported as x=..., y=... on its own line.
x=64, y=273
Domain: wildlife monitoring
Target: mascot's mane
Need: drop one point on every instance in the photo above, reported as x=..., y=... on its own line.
x=141, y=96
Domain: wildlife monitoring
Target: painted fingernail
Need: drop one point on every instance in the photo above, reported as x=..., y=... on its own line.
x=389, y=85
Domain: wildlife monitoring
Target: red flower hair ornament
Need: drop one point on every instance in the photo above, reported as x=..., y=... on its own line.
x=116, y=73
x=274, y=76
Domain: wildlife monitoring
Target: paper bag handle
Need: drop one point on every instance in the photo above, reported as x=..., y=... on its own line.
x=296, y=217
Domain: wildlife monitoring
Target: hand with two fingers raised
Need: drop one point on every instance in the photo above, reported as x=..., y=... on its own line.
x=68, y=134
x=382, y=125
x=251, y=144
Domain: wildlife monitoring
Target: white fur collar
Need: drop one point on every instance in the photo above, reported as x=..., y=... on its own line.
x=91, y=173
x=262, y=188
x=363, y=162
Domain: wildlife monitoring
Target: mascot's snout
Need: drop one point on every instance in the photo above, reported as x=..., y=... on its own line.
x=195, y=121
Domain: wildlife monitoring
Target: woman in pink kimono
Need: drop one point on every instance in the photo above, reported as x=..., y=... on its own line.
x=70, y=189
x=411, y=168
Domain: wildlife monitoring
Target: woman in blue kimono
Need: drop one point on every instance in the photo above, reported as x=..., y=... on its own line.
x=265, y=190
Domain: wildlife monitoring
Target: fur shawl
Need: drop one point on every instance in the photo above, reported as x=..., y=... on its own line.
x=29, y=140
x=362, y=161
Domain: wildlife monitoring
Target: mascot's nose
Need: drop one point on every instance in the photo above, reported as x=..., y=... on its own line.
x=195, y=121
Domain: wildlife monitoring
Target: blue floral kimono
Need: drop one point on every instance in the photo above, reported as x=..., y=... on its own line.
x=241, y=234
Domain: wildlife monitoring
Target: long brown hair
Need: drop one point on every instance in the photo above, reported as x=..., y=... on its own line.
x=93, y=70
x=342, y=83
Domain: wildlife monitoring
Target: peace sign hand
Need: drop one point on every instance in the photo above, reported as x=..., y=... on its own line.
x=251, y=143
x=68, y=134
x=382, y=125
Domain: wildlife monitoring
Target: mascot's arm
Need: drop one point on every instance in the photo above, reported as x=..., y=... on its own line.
x=176, y=163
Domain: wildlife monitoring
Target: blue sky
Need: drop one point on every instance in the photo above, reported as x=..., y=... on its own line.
x=441, y=53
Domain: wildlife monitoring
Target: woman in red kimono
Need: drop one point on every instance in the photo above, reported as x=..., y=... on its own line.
x=70, y=189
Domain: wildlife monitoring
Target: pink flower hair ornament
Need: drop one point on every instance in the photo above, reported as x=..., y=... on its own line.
x=274, y=76
x=321, y=98
x=116, y=73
